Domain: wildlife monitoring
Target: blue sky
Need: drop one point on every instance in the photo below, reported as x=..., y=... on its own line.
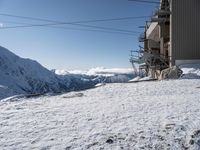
x=73, y=49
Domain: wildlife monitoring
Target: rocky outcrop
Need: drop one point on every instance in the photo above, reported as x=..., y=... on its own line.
x=171, y=73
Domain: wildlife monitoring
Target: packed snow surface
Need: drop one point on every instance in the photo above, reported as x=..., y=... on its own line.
x=144, y=115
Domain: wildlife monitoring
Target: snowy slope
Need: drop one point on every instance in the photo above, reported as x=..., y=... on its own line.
x=23, y=76
x=147, y=115
x=6, y=92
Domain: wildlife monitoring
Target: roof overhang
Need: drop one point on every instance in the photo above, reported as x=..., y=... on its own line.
x=153, y=31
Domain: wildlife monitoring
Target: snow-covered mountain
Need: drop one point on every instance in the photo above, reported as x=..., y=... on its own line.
x=22, y=76
x=100, y=74
x=98, y=71
x=26, y=76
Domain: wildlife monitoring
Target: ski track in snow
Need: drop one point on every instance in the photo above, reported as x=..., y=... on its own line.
x=147, y=115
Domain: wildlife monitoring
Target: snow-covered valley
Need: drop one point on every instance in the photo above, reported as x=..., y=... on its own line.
x=144, y=115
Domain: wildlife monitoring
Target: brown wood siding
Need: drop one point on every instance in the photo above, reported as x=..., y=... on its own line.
x=185, y=29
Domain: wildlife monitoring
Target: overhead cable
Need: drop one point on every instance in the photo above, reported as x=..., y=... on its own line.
x=145, y=1
x=76, y=23
x=82, y=21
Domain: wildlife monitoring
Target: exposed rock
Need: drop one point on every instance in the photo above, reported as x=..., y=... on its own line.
x=171, y=73
x=109, y=141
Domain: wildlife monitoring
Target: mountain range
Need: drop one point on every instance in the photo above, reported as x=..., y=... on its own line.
x=25, y=76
